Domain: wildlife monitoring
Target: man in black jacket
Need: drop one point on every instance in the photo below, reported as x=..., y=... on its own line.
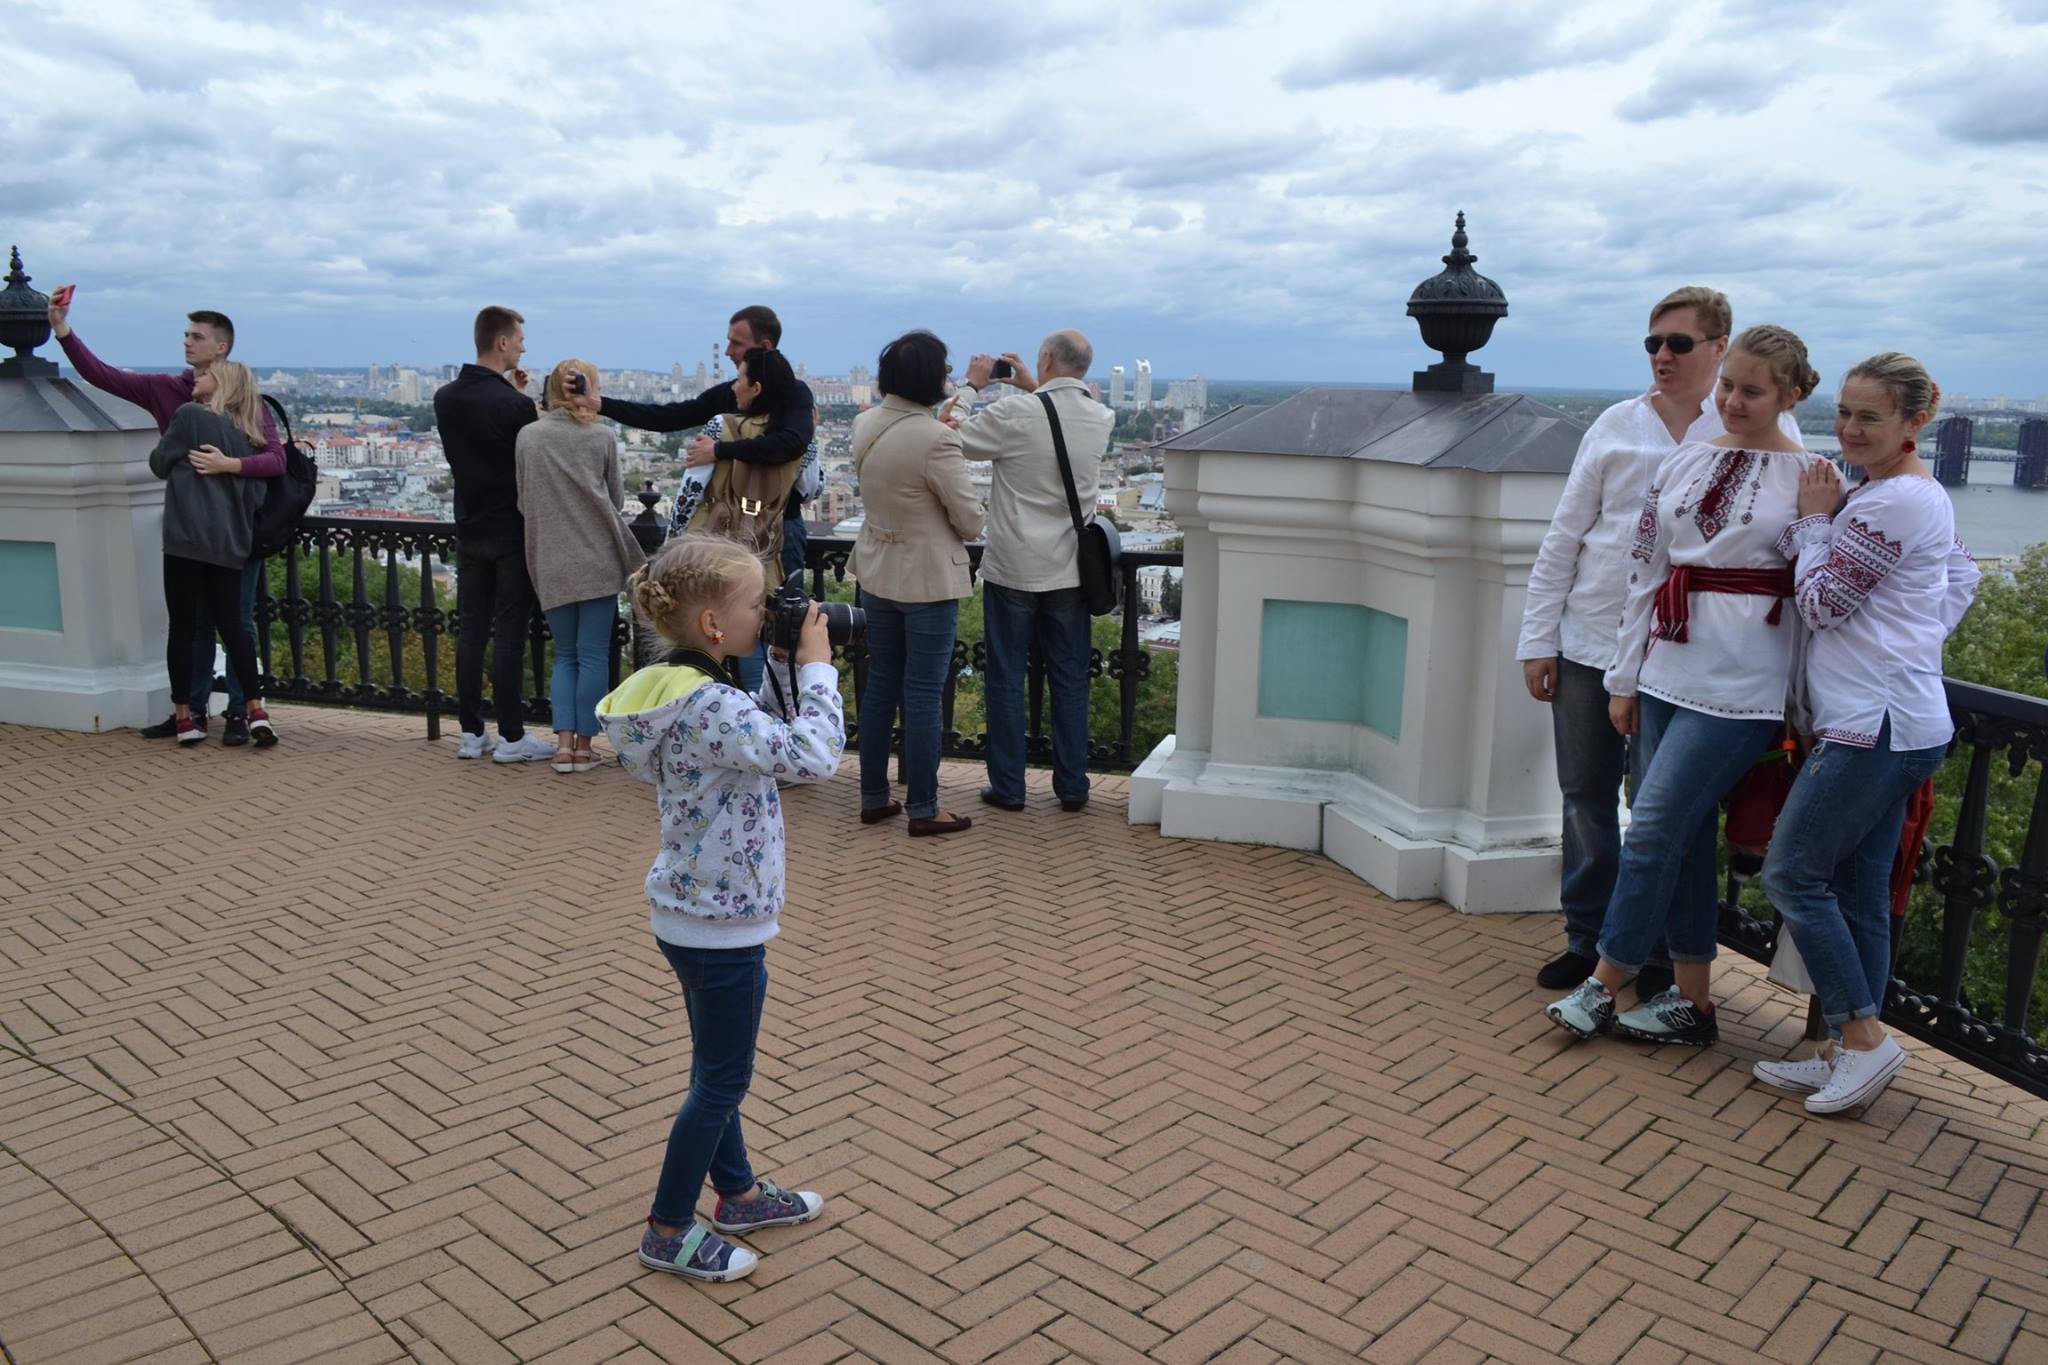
x=752, y=326
x=479, y=414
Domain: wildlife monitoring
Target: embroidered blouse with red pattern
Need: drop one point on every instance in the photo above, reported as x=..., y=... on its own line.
x=1881, y=583
x=1712, y=520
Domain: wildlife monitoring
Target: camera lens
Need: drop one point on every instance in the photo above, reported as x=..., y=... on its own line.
x=844, y=625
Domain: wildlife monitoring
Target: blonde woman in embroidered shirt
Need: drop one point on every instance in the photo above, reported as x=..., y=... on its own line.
x=1882, y=580
x=1700, y=671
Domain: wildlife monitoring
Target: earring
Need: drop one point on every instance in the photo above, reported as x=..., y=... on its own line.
x=1911, y=445
x=717, y=636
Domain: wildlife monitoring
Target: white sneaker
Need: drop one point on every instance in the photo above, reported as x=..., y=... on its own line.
x=1806, y=1075
x=528, y=748
x=475, y=746
x=1859, y=1077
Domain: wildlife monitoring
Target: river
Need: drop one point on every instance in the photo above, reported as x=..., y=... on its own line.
x=1995, y=520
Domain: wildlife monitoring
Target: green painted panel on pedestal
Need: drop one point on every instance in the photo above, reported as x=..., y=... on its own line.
x=28, y=586
x=1332, y=661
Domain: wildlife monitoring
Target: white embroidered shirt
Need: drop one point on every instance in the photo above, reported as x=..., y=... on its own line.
x=1712, y=507
x=1881, y=583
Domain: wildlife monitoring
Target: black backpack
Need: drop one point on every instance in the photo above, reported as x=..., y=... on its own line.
x=287, y=496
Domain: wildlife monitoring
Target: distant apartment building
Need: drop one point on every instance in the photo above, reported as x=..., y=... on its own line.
x=1142, y=397
x=1116, y=386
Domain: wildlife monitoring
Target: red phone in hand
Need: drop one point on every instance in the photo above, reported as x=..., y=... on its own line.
x=64, y=293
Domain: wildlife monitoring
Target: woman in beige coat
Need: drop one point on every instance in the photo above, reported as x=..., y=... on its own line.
x=911, y=561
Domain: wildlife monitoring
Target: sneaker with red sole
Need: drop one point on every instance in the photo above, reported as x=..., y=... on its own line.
x=260, y=728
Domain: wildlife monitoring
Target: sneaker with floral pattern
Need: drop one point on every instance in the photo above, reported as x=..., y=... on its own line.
x=773, y=1207
x=696, y=1252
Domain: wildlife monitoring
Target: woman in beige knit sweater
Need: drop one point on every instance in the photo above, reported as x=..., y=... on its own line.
x=578, y=550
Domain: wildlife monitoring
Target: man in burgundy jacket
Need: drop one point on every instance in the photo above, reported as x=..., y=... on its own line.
x=209, y=337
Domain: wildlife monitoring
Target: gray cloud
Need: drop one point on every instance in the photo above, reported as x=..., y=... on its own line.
x=1718, y=81
x=1459, y=46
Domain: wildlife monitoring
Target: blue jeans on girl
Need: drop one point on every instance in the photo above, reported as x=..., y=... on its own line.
x=910, y=647
x=722, y=990
x=1666, y=882
x=583, y=647
x=1829, y=869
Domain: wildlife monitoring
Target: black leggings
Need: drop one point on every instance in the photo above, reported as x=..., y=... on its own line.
x=187, y=582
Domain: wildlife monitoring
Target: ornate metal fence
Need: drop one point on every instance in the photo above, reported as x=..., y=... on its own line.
x=350, y=630
x=1968, y=895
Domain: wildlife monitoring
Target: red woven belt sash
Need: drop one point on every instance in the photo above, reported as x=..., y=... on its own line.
x=1674, y=599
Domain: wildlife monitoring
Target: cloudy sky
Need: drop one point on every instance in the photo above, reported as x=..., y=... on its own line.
x=1249, y=189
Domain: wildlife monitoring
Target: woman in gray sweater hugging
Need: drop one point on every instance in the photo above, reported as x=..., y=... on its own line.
x=209, y=522
x=578, y=550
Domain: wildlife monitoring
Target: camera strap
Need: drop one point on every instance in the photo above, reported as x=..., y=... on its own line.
x=1059, y=448
x=691, y=657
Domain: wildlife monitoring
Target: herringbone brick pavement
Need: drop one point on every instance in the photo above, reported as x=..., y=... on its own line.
x=347, y=1052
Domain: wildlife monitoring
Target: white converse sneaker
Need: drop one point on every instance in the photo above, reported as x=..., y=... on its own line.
x=475, y=746
x=528, y=748
x=1859, y=1077
x=1806, y=1075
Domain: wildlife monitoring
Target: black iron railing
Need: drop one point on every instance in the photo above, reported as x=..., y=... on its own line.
x=1956, y=883
x=365, y=619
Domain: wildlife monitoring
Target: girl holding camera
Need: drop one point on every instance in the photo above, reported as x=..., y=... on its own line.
x=714, y=756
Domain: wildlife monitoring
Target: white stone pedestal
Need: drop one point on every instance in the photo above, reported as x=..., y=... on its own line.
x=82, y=617
x=1348, y=623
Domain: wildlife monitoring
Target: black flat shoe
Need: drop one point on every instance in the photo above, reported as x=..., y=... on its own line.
x=1071, y=806
x=989, y=798
x=1565, y=971
x=874, y=815
x=924, y=827
x=167, y=728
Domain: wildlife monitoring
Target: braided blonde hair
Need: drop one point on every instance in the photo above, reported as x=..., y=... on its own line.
x=688, y=574
x=1912, y=390
x=1784, y=354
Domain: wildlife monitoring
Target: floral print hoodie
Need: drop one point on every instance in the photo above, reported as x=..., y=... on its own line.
x=713, y=754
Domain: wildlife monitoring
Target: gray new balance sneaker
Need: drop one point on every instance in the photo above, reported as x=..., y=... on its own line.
x=1587, y=1011
x=1669, y=1018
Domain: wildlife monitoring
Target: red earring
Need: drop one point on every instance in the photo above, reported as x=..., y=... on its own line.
x=1911, y=445
x=717, y=637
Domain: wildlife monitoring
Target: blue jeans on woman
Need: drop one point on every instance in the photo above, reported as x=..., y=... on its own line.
x=583, y=647
x=910, y=647
x=722, y=991
x=1058, y=620
x=1829, y=869
x=1666, y=882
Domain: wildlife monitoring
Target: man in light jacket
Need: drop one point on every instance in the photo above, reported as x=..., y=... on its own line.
x=1031, y=568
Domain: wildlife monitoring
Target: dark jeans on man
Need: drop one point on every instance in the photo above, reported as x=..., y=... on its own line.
x=202, y=644
x=187, y=583
x=1058, y=620
x=723, y=989
x=493, y=599
x=1592, y=760
x=910, y=648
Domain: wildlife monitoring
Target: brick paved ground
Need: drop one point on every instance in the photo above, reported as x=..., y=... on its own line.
x=388, y=1075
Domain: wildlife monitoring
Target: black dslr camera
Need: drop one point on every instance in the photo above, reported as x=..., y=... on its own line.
x=789, y=604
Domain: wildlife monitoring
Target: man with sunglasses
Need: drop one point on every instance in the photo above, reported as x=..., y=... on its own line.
x=1574, y=604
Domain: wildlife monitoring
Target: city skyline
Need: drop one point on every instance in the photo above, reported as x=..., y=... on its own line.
x=345, y=185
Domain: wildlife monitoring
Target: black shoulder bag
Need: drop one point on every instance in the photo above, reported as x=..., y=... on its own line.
x=1099, y=545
